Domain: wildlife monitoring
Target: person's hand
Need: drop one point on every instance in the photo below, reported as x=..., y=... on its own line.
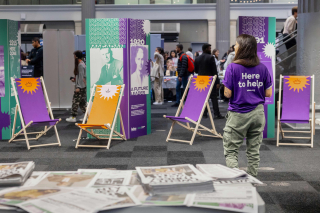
x=180, y=79
x=77, y=90
x=218, y=86
x=27, y=60
x=222, y=60
x=73, y=80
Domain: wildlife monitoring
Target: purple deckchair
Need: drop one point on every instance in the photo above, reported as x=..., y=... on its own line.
x=31, y=104
x=296, y=105
x=193, y=109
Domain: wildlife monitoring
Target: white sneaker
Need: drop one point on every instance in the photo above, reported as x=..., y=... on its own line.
x=71, y=119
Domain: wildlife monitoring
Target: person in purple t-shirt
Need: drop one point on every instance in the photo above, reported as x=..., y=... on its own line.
x=247, y=83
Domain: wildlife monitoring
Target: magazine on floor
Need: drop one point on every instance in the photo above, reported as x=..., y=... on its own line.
x=34, y=179
x=173, y=179
x=220, y=172
x=67, y=179
x=158, y=200
x=15, y=173
x=118, y=192
x=106, y=177
x=240, y=198
x=84, y=200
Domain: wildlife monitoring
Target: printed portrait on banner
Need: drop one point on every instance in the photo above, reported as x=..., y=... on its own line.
x=2, y=79
x=106, y=65
x=139, y=69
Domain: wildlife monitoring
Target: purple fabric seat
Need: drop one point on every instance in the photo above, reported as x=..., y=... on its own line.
x=194, y=103
x=32, y=102
x=296, y=99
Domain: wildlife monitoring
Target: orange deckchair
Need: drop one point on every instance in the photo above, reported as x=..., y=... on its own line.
x=102, y=113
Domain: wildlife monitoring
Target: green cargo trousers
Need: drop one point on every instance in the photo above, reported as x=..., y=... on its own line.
x=244, y=125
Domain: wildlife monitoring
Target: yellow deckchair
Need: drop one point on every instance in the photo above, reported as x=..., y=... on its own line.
x=102, y=113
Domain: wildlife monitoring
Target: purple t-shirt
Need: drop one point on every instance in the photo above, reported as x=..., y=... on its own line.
x=248, y=86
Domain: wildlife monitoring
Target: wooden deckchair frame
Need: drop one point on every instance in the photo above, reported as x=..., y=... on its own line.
x=197, y=124
x=112, y=131
x=25, y=126
x=311, y=120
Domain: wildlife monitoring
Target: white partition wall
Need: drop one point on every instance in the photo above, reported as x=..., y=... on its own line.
x=58, y=62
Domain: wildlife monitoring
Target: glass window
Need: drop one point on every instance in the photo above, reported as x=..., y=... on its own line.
x=56, y=2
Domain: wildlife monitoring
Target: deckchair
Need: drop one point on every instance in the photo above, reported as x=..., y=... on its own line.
x=296, y=106
x=200, y=88
x=102, y=113
x=32, y=102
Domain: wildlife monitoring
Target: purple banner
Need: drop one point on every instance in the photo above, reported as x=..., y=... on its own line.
x=139, y=79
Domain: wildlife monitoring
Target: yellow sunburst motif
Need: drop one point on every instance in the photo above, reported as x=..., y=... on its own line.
x=297, y=82
x=202, y=82
x=108, y=91
x=29, y=85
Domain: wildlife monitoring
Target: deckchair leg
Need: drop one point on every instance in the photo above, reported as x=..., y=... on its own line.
x=110, y=138
x=122, y=126
x=58, y=139
x=14, y=121
x=170, y=132
x=278, y=132
x=79, y=137
x=194, y=133
x=26, y=137
x=211, y=119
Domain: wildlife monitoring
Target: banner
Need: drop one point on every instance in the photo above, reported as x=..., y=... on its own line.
x=264, y=30
x=9, y=67
x=118, y=53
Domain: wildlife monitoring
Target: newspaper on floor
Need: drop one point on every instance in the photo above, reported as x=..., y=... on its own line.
x=106, y=177
x=238, y=198
x=173, y=179
x=84, y=200
x=15, y=173
x=158, y=200
x=117, y=192
x=134, y=178
x=220, y=172
x=67, y=179
x=248, y=179
x=34, y=179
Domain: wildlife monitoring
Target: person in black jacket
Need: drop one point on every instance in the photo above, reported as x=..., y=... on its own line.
x=206, y=65
x=36, y=57
x=183, y=74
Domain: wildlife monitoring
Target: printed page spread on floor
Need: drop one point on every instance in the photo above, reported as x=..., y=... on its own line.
x=109, y=177
x=237, y=199
x=218, y=171
x=34, y=178
x=67, y=179
x=158, y=200
x=76, y=201
x=12, y=173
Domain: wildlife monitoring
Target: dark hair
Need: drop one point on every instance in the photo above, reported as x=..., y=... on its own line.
x=205, y=46
x=180, y=46
x=294, y=10
x=161, y=51
x=175, y=53
x=78, y=55
x=190, y=49
x=230, y=50
x=196, y=54
x=247, y=51
x=214, y=53
x=36, y=39
x=232, y=47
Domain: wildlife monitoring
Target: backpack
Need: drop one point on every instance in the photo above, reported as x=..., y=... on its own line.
x=190, y=62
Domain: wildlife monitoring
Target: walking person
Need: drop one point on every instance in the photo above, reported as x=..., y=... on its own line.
x=183, y=73
x=157, y=73
x=215, y=54
x=289, y=27
x=80, y=92
x=205, y=65
x=247, y=83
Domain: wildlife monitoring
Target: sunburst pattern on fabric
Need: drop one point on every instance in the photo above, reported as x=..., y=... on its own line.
x=297, y=82
x=108, y=91
x=269, y=50
x=202, y=82
x=29, y=84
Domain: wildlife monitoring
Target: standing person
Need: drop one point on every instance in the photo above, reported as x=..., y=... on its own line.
x=173, y=57
x=247, y=83
x=79, y=96
x=205, y=65
x=189, y=52
x=215, y=54
x=183, y=73
x=36, y=58
x=289, y=27
x=157, y=75
x=230, y=58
